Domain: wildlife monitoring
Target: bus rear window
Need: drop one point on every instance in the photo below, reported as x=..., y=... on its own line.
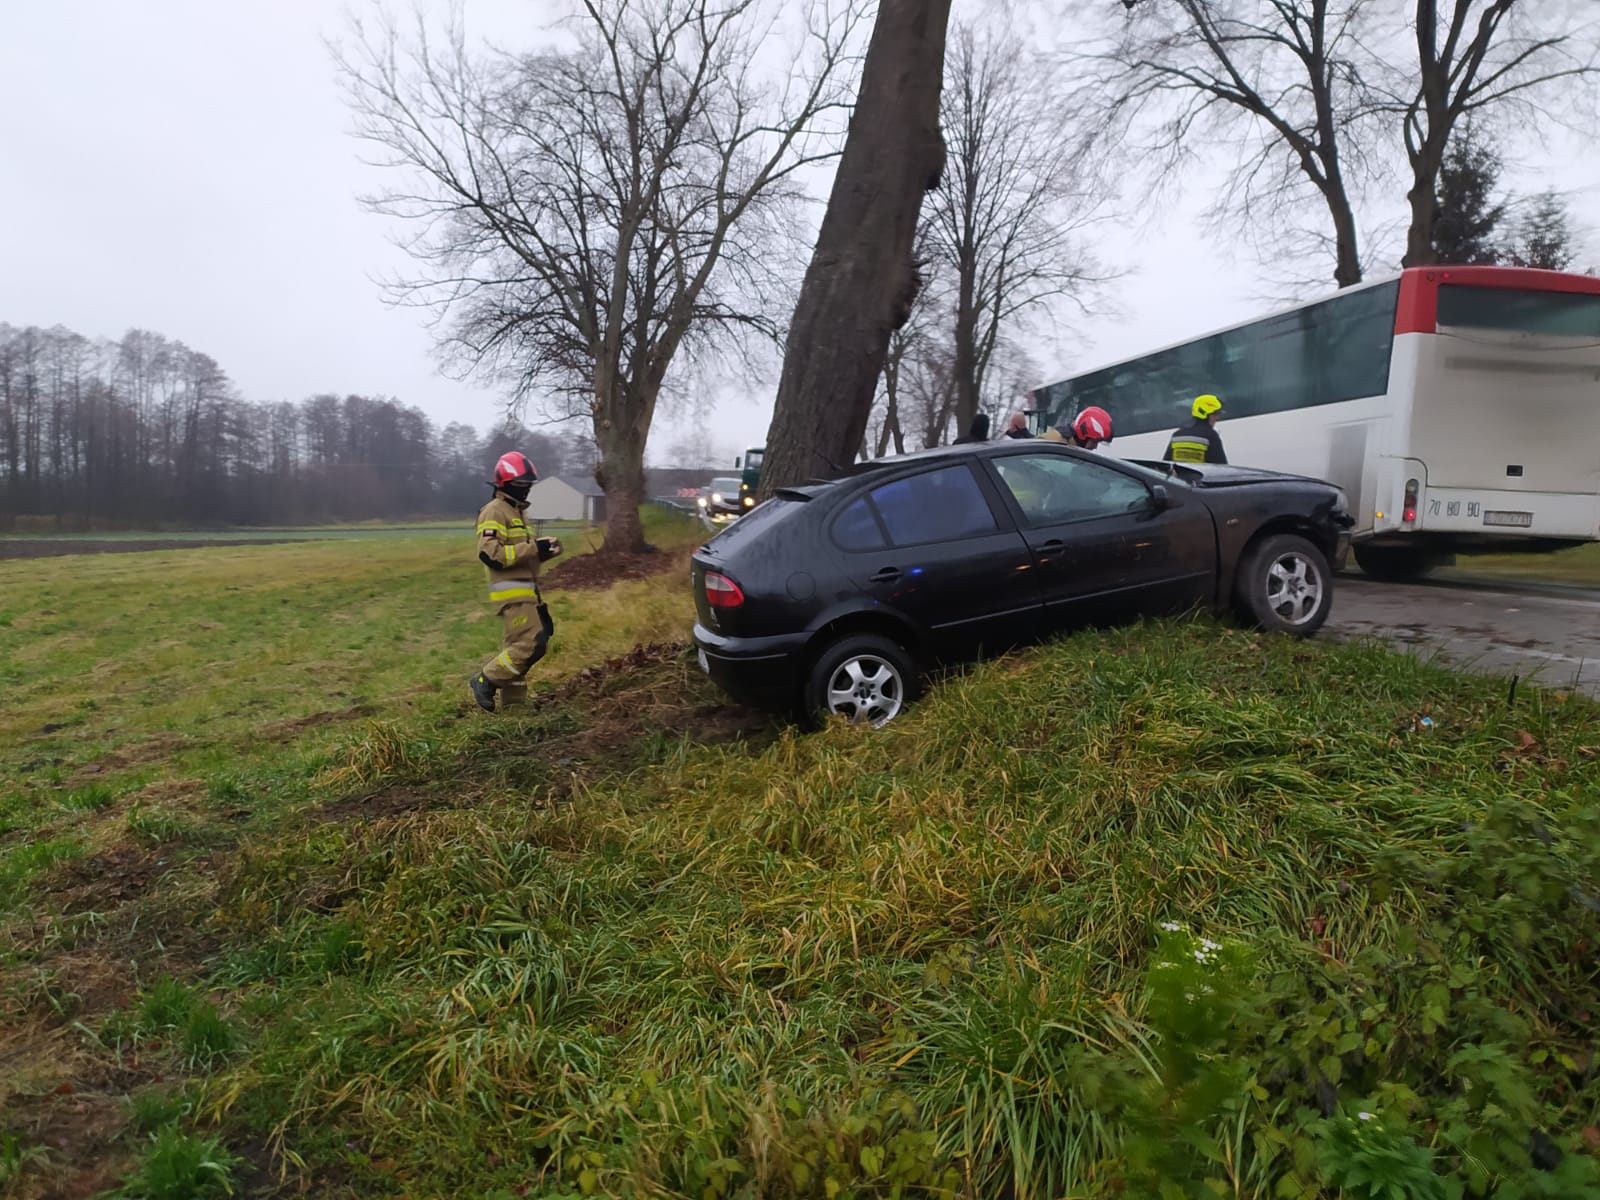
x=1553, y=314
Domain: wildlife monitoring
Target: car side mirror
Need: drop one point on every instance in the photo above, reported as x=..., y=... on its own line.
x=1161, y=499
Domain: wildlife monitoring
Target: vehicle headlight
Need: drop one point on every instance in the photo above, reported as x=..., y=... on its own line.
x=749, y=500
x=716, y=497
x=700, y=500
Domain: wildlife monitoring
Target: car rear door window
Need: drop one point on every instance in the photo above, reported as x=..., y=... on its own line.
x=936, y=506
x=857, y=529
x=1052, y=488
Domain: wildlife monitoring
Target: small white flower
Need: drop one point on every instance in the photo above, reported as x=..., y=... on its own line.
x=1200, y=956
x=1208, y=944
x=1171, y=926
x=1365, y=1116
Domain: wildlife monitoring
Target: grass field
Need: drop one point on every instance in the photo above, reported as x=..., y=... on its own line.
x=1579, y=565
x=1157, y=912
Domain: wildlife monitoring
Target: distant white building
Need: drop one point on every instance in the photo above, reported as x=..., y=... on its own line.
x=558, y=499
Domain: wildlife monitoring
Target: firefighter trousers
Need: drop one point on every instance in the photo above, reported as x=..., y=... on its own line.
x=522, y=643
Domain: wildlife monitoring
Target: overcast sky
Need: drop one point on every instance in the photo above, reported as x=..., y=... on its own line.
x=185, y=166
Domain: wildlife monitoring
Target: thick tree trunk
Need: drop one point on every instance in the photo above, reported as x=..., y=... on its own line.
x=1419, y=237
x=861, y=282
x=620, y=471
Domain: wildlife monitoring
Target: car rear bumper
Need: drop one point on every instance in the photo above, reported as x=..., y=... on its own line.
x=762, y=672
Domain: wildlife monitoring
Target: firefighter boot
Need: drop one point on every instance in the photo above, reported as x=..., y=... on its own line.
x=482, y=692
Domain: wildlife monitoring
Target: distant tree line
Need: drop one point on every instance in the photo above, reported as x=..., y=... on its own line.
x=146, y=431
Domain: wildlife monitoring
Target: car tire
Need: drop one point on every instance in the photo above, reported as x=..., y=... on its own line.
x=1284, y=585
x=865, y=678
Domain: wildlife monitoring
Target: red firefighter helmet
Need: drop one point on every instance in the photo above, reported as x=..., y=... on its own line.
x=1092, y=425
x=514, y=467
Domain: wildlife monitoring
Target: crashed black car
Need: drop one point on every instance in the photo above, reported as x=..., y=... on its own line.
x=838, y=596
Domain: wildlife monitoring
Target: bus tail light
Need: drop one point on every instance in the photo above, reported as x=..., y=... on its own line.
x=1409, y=516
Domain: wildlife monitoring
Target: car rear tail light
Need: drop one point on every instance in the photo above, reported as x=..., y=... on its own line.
x=1409, y=516
x=722, y=592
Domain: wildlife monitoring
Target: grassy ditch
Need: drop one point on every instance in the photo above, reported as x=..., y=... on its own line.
x=1171, y=911
x=1159, y=913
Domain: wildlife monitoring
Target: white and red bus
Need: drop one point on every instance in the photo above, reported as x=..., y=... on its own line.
x=1458, y=407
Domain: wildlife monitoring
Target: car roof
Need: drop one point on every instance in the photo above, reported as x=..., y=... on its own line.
x=988, y=449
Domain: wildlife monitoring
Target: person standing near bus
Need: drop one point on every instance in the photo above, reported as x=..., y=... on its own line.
x=1089, y=429
x=1199, y=441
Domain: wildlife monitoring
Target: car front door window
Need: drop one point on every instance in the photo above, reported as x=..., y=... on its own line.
x=1054, y=489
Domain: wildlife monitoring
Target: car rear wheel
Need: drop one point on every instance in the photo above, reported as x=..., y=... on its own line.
x=865, y=678
x=1285, y=585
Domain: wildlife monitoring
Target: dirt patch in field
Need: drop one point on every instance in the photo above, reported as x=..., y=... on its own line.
x=50, y=548
x=389, y=802
x=103, y=881
x=628, y=699
x=595, y=572
x=279, y=731
x=133, y=754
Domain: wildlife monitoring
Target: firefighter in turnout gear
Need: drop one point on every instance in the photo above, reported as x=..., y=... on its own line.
x=507, y=547
x=1199, y=441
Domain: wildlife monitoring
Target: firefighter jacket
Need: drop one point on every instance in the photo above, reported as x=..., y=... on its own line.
x=506, y=546
x=1196, y=442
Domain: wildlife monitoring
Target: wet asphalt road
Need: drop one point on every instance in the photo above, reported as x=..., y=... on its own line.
x=1548, y=636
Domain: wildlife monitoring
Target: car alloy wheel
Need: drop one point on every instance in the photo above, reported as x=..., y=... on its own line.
x=866, y=689
x=1294, y=586
x=864, y=678
x=1284, y=585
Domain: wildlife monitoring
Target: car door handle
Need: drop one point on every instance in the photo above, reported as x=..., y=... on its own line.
x=1051, y=548
x=885, y=575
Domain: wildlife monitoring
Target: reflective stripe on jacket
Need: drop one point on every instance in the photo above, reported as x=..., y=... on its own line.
x=1196, y=442
x=508, y=550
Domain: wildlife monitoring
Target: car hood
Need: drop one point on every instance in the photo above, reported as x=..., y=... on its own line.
x=1215, y=475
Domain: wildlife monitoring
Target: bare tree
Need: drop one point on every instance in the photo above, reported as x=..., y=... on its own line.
x=861, y=284
x=1477, y=57
x=1276, y=84
x=1019, y=187
x=588, y=215
x=1315, y=91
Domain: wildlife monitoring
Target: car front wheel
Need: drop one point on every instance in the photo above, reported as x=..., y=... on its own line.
x=1285, y=585
x=864, y=678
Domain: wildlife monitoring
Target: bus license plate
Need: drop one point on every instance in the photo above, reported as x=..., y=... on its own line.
x=705, y=663
x=1498, y=517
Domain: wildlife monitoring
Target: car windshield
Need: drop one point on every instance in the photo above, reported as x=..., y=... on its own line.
x=724, y=485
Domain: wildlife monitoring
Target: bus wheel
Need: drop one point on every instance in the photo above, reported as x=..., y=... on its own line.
x=1285, y=585
x=1393, y=563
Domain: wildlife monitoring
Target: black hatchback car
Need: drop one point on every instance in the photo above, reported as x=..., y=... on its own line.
x=838, y=596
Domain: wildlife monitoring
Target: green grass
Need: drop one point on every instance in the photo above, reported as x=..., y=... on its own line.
x=581, y=951
x=180, y=1166
x=929, y=957
x=1579, y=565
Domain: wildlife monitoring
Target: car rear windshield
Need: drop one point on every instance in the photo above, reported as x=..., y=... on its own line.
x=1554, y=314
x=761, y=517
